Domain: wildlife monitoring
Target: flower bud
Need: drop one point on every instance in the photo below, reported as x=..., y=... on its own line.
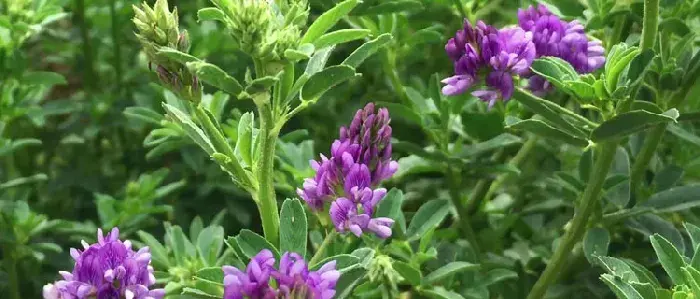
x=158, y=28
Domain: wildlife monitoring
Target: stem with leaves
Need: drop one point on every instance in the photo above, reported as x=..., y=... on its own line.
x=605, y=157
x=322, y=248
x=651, y=142
x=265, y=195
x=453, y=181
x=516, y=161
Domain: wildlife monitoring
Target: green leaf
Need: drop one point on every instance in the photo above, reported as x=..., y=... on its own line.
x=428, y=216
x=497, y=275
x=244, y=142
x=302, y=52
x=692, y=276
x=565, y=119
x=196, y=227
x=390, y=7
x=681, y=133
x=293, y=227
x=196, y=293
x=596, y=243
x=667, y=177
x=617, y=267
x=211, y=274
x=176, y=55
x=210, y=242
x=342, y=261
x=159, y=254
x=621, y=288
x=215, y=76
x=327, y=20
x=581, y=90
x=47, y=79
x=390, y=206
x=178, y=244
x=631, y=122
x=425, y=36
x=541, y=128
x=318, y=61
x=441, y=293
x=366, y=50
x=194, y=132
x=643, y=274
x=144, y=114
x=340, y=36
x=619, y=59
x=408, y=272
x=498, y=142
x=324, y=80
x=252, y=243
x=675, y=199
x=210, y=14
x=39, y=177
x=348, y=281
x=555, y=70
x=447, y=270
x=670, y=259
x=694, y=233
x=674, y=25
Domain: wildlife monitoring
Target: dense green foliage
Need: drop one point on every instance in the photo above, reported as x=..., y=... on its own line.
x=590, y=191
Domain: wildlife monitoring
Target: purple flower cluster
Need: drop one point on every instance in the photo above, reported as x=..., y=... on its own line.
x=482, y=53
x=555, y=37
x=360, y=160
x=107, y=269
x=293, y=279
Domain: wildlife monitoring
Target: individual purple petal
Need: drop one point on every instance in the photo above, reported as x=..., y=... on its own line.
x=381, y=226
x=457, y=84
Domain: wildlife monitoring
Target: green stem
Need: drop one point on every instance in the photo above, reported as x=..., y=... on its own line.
x=116, y=44
x=481, y=189
x=651, y=143
x=579, y=222
x=453, y=181
x=390, y=69
x=517, y=161
x=650, y=24
x=11, y=267
x=265, y=196
x=322, y=249
x=89, y=75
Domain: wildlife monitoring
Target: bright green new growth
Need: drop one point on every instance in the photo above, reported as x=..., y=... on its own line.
x=158, y=28
x=629, y=280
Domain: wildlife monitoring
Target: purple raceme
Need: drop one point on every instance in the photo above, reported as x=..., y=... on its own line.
x=293, y=280
x=490, y=58
x=346, y=184
x=484, y=56
x=107, y=269
x=558, y=38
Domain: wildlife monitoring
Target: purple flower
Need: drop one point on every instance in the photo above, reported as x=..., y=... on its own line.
x=292, y=280
x=107, y=269
x=484, y=55
x=254, y=283
x=566, y=40
x=348, y=180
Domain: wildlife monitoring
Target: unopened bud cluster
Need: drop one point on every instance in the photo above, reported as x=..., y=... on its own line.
x=158, y=28
x=264, y=28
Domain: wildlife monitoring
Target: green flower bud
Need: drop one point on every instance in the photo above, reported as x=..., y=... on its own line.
x=381, y=270
x=157, y=28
